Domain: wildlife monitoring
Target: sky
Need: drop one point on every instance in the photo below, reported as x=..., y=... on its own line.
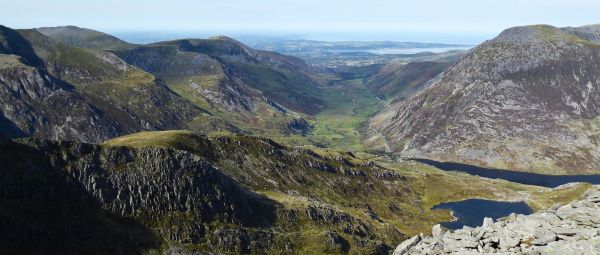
x=451, y=21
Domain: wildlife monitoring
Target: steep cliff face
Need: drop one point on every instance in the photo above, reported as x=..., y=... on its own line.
x=56, y=91
x=527, y=100
x=339, y=198
x=45, y=210
x=36, y=104
x=145, y=196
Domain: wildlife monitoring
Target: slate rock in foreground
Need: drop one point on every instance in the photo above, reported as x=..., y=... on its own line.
x=568, y=229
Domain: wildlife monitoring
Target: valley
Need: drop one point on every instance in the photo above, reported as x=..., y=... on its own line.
x=357, y=54
x=195, y=146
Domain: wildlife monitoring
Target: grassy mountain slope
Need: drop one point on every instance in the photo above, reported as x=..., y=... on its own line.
x=401, y=81
x=285, y=80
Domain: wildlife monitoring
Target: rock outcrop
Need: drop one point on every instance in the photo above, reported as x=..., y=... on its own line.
x=86, y=197
x=573, y=228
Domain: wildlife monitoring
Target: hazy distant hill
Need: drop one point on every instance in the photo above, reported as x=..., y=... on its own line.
x=82, y=37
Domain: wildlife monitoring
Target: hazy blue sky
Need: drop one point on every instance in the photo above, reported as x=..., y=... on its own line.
x=471, y=20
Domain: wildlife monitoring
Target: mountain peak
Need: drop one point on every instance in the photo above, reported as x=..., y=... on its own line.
x=222, y=37
x=545, y=33
x=518, y=34
x=83, y=37
x=531, y=33
x=62, y=27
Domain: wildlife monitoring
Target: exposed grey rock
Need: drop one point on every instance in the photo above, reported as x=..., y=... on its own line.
x=508, y=239
x=131, y=198
x=488, y=222
x=569, y=229
x=437, y=231
x=406, y=245
x=543, y=236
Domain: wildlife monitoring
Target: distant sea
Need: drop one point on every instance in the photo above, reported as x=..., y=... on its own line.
x=385, y=51
x=144, y=37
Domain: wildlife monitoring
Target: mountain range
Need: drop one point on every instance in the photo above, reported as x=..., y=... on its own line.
x=199, y=146
x=212, y=84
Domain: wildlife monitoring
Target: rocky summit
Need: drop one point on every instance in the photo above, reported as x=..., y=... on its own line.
x=573, y=228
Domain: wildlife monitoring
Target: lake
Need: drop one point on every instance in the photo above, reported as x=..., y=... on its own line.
x=549, y=181
x=472, y=211
x=384, y=51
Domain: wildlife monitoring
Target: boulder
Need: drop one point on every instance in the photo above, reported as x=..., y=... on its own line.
x=488, y=223
x=437, y=231
x=543, y=236
x=406, y=245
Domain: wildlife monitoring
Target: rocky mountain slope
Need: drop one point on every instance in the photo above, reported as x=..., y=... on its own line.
x=567, y=229
x=51, y=90
x=527, y=100
x=80, y=198
x=191, y=193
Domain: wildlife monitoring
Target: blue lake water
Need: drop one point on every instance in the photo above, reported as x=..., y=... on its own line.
x=472, y=211
x=549, y=181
